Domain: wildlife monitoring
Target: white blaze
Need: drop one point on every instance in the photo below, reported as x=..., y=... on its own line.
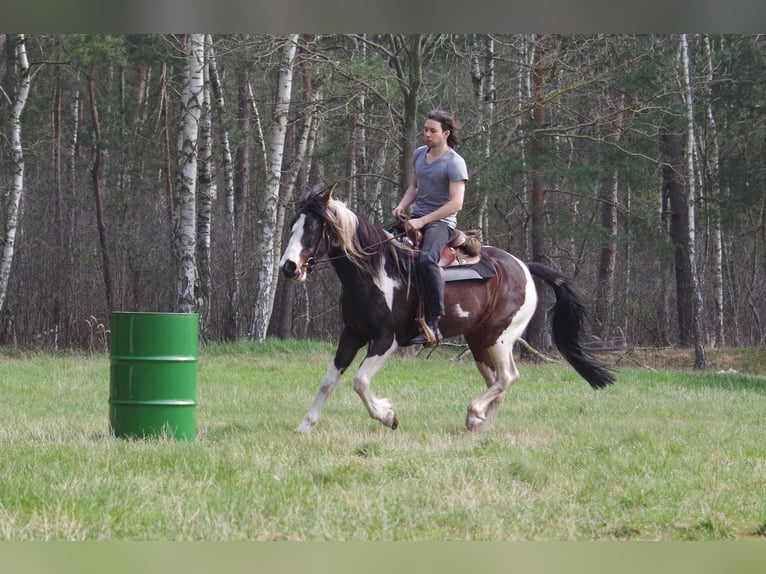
x=294, y=248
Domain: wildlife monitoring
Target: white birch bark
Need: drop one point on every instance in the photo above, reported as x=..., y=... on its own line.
x=20, y=93
x=204, y=197
x=609, y=197
x=295, y=169
x=697, y=308
x=265, y=257
x=479, y=79
x=258, y=126
x=524, y=94
x=305, y=172
x=714, y=205
x=185, y=216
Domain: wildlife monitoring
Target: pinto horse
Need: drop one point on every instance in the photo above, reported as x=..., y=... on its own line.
x=379, y=307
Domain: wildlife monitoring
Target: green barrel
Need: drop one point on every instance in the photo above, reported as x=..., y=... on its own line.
x=153, y=375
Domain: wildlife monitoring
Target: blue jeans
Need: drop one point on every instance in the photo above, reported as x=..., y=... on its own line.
x=435, y=236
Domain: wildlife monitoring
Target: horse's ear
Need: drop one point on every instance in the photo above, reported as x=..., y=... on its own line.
x=326, y=194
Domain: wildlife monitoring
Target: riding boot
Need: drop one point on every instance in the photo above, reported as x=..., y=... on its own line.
x=430, y=334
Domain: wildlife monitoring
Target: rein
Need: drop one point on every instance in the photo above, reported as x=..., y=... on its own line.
x=312, y=260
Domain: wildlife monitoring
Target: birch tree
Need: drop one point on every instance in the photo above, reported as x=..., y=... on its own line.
x=204, y=200
x=185, y=214
x=231, y=326
x=700, y=359
x=714, y=203
x=483, y=78
x=605, y=288
x=17, y=100
x=265, y=256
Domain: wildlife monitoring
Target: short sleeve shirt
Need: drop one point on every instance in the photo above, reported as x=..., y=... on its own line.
x=434, y=180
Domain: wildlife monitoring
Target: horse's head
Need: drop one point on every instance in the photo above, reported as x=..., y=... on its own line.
x=308, y=234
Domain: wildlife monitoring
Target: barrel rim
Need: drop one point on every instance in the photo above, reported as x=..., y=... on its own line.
x=154, y=402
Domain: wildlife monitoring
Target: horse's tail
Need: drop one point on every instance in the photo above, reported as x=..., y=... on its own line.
x=567, y=326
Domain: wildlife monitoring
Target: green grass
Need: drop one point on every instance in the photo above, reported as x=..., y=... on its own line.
x=671, y=455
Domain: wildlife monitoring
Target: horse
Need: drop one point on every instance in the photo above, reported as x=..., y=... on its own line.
x=379, y=307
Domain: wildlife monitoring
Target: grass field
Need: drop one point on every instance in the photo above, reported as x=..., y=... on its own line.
x=665, y=454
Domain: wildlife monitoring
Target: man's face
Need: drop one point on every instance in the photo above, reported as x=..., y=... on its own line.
x=434, y=135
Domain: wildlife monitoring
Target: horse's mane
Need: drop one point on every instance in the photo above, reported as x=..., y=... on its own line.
x=363, y=242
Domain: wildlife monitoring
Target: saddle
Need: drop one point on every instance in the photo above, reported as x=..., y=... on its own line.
x=463, y=247
x=460, y=259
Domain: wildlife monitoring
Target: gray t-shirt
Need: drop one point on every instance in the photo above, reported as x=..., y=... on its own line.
x=434, y=180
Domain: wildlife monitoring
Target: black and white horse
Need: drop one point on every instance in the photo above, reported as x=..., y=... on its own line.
x=379, y=307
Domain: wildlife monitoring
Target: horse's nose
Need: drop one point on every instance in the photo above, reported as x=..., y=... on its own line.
x=288, y=269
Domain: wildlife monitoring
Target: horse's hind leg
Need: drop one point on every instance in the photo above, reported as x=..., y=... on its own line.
x=380, y=409
x=348, y=345
x=489, y=378
x=499, y=370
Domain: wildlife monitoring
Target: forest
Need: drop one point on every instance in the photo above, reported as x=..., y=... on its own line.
x=158, y=172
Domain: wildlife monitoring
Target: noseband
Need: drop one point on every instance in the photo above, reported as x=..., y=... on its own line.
x=312, y=260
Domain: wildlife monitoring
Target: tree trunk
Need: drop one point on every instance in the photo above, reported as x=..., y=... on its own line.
x=483, y=77
x=243, y=167
x=604, y=306
x=230, y=325
x=264, y=250
x=20, y=65
x=95, y=171
x=204, y=207
x=185, y=234
x=698, y=329
x=311, y=99
x=537, y=330
x=168, y=169
x=714, y=203
x=678, y=227
x=410, y=87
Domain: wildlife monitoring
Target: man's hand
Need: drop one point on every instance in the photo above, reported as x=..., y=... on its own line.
x=414, y=224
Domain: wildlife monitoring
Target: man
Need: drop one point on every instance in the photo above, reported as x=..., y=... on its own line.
x=437, y=190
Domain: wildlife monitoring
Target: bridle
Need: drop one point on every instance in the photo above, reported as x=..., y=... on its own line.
x=312, y=260
x=324, y=235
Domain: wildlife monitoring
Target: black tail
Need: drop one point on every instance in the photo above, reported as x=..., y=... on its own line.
x=568, y=315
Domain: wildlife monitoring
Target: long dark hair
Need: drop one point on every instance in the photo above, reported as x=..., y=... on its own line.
x=448, y=123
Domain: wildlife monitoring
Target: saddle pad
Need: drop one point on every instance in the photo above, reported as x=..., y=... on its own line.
x=481, y=270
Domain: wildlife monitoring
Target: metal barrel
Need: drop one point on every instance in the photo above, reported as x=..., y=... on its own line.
x=153, y=375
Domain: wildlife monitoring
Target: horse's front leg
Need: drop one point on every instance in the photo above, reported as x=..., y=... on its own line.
x=381, y=409
x=348, y=345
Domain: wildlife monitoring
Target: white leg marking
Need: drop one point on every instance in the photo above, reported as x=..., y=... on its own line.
x=379, y=408
x=487, y=372
x=501, y=355
x=326, y=387
x=506, y=374
x=460, y=312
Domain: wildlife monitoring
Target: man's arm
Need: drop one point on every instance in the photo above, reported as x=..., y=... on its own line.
x=407, y=199
x=454, y=205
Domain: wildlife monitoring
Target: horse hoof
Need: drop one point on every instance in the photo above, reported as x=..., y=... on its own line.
x=304, y=428
x=473, y=422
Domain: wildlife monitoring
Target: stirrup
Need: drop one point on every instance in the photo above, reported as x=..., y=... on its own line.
x=429, y=336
